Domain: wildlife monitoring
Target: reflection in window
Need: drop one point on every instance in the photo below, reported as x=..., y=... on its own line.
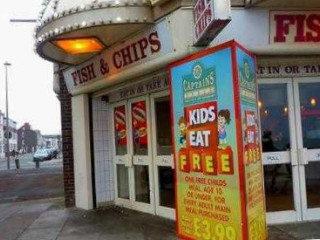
x=278, y=187
x=273, y=106
x=163, y=126
x=166, y=186
x=142, y=188
x=123, y=182
x=313, y=184
x=310, y=114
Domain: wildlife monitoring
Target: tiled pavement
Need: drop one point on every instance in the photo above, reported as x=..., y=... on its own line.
x=48, y=220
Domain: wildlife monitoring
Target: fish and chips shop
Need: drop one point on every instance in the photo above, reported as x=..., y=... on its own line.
x=203, y=112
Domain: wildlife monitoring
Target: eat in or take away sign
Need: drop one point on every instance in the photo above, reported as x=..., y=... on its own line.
x=219, y=181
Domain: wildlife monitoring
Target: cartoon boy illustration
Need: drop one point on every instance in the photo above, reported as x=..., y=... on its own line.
x=183, y=130
x=223, y=119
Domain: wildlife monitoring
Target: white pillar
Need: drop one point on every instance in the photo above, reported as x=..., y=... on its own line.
x=81, y=152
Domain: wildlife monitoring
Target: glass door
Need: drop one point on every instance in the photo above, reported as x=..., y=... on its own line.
x=120, y=156
x=141, y=155
x=307, y=97
x=279, y=150
x=163, y=159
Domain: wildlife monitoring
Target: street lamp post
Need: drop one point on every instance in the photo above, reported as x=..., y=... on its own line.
x=6, y=65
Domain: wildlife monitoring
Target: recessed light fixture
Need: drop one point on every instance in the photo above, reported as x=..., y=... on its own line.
x=79, y=45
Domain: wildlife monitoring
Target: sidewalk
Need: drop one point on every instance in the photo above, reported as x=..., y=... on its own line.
x=48, y=220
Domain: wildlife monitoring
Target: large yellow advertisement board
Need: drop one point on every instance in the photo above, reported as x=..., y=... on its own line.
x=218, y=171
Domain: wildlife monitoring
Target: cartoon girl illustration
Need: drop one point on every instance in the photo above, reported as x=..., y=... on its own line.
x=223, y=119
x=183, y=130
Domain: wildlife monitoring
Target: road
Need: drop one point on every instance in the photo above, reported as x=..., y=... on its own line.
x=26, y=162
x=30, y=184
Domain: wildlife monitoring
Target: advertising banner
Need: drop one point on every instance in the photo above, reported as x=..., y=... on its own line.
x=253, y=168
x=120, y=125
x=208, y=131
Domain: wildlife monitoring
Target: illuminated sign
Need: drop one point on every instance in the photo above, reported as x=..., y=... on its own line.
x=219, y=183
x=210, y=17
x=294, y=27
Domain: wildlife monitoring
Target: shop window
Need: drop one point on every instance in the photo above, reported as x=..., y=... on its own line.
x=163, y=125
x=273, y=106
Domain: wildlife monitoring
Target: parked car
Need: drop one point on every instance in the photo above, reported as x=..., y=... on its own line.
x=53, y=152
x=42, y=155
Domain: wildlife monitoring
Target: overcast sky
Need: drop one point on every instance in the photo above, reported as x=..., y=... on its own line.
x=31, y=98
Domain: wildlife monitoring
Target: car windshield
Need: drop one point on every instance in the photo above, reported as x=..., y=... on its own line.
x=41, y=151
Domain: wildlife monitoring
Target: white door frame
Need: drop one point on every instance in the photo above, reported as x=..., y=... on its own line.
x=286, y=157
x=120, y=159
x=305, y=155
x=160, y=160
x=138, y=160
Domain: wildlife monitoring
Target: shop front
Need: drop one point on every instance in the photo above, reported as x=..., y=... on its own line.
x=289, y=115
x=121, y=116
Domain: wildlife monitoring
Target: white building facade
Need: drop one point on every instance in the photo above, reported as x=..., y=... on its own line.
x=129, y=77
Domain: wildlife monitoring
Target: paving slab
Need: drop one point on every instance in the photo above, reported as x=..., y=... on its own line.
x=47, y=220
x=304, y=230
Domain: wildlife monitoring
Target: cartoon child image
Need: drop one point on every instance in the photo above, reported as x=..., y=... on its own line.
x=223, y=119
x=183, y=130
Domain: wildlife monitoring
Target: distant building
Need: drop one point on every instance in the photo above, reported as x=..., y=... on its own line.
x=40, y=140
x=13, y=144
x=52, y=141
x=27, y=139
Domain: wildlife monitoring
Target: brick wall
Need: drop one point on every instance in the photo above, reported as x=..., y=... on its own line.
x=67, y=143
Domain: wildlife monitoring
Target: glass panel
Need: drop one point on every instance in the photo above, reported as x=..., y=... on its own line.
x=163, y=126
x=141, y=174
x=273, y=106
x=310, y=114
x=166, y=186
x=139, y=128
x=278, y=187
x=123, y=182
x=120, y=130
x=313, y=184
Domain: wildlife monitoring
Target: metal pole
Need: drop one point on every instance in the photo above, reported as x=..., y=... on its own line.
x=6, y=64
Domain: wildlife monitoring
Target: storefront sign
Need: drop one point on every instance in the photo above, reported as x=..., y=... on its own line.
x=288, y=70
x=294, y=27
x=211, y=16
x=155, y=84
x=219, y=185
x=149, y=45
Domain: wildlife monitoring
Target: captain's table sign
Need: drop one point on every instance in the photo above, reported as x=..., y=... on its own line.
x=219, y=184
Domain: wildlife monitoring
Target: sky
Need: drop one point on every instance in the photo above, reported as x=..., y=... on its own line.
x=31, y=96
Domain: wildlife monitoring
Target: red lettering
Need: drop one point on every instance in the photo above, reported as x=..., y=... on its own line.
x=90, y=72
x=116, y=61
x=300, y=37
x=313, y=23
x=84, y=74
x=135, y=52
x=154, y=42
x=126, y=55
x=79, y=75
x=282, y=26
x=143, y=43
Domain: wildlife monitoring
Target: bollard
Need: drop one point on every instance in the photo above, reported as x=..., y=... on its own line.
x=17, y=163
x=37, y=163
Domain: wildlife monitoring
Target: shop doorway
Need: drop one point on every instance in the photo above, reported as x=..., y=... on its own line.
x=290, y=135
x=143, y=154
